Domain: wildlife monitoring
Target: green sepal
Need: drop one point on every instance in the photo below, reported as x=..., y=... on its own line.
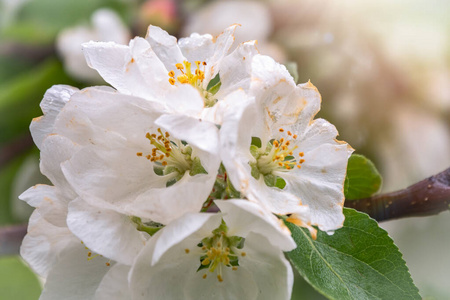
x=197, y=167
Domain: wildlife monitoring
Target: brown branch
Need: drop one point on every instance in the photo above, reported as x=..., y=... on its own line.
x=427, y=197
x=10, y=239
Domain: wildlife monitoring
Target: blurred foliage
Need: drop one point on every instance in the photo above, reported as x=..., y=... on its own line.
x=20, y=97
x=17, y=281
x=38, y=22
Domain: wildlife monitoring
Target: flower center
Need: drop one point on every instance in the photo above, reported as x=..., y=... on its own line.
x=171, y=157
x=194, y=78
x=220, y=251
x=278, y=156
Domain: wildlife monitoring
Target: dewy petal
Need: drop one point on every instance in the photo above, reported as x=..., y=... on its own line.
x=244, y=217
x=44, y=243
x=133, y=70
x=165, y=46
x=106, y=232
x=114, y=285
x=270, y=269
x=54, y=100
x=74, y=277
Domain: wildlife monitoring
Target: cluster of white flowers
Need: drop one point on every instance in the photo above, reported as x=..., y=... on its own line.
x=173, y=183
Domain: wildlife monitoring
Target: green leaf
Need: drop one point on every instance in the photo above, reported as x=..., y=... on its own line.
x=363, y=179
x=359, y=261
x=17, y=281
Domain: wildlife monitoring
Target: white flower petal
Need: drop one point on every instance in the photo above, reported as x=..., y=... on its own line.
x=196, y=132
x=197, y=47
x=106, y=232
x=55, y=150
x=163, y=267
x=74, y=277
x=166, y=204
x=54, y=100
x=44, y=243
x=99, y=116
x=239, y=284
x=133, y=70
x=185, y=99
x=165, y=47
x=114, y=285
x=103, y=176
x=245, y=217
x=50, y=203
x=235, y=69
x=222, y=46
x=319, y=184
x=270, y=269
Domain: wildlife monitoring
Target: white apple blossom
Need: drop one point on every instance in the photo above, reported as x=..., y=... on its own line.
x=71, y=270
x=129, y=162
x=150, y=67
x=236, y=254
x=297, y=161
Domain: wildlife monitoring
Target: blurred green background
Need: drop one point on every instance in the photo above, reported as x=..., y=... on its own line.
x=382, y=67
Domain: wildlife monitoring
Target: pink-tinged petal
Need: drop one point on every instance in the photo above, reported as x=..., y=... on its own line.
x=243, y=217
x=165, y=46
x=54, y=100
x=105, y=232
